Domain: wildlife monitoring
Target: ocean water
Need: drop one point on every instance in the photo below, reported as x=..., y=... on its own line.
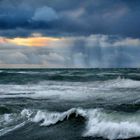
x=69, y=104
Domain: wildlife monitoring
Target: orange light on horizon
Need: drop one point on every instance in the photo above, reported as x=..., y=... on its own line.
x=32, y=41
x=3, y=40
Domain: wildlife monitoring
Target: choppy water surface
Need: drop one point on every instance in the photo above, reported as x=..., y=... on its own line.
x=69, y=104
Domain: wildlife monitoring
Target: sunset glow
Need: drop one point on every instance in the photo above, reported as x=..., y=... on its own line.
x=3, y=40
x=32, y=41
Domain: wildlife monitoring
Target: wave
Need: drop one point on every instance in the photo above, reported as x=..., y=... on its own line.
x=112, y=130
x=8, y=123
x=121, y=83
x=69, y=75
x=18, y=72
x=51, y=118
x=99, y=123
x=119, y=90
x=10, y=129
x=107, y=126
x=13, y=121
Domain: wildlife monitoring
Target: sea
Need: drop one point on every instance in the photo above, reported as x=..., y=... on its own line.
x=69, y=104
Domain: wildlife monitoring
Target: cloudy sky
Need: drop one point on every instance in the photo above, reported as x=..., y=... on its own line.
x=69, y=33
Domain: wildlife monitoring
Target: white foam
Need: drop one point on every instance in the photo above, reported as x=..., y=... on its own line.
x=99, y=123
x=6, y=119
x=26, y=113
x=64, y=91
x=112, y=130
x=50, y=118
x=75, y=91
x=9, y=129
x=121, y=83
x=110, y=126
x=13, y=121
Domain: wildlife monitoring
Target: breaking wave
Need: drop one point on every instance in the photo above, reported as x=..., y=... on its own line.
x=121, y=83
x=108, y=126
x=99, y=123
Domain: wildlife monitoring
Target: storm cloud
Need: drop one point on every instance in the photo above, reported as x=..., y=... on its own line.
x=65, y=17
x=66, y=33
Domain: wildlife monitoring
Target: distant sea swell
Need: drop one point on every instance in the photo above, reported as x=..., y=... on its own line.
x=22, y=75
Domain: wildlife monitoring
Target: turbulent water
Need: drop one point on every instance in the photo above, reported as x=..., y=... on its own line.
x=69, y=104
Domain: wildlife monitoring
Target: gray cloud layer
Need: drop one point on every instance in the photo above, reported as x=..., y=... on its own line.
x=92, y=51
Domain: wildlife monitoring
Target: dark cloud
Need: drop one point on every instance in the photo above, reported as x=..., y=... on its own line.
x=96, y=33
x=70, y=18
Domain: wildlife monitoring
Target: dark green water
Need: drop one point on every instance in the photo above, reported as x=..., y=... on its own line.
x=69, y=104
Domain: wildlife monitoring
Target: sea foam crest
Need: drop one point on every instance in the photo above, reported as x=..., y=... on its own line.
x=50, y=118
x=121, y=83
x=101, y=125
x=112, y=130
x=98, y=123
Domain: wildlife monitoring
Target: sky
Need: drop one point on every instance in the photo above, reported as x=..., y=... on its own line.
x=69, y=33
